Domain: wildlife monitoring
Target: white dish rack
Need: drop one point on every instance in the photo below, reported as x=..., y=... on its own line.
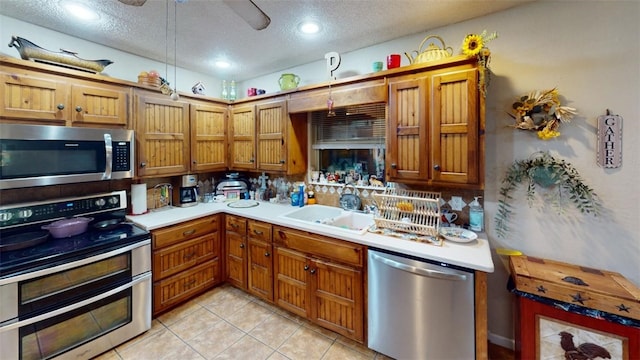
x=409, y=211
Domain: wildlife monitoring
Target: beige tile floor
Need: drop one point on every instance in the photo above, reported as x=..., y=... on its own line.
x=227, y=323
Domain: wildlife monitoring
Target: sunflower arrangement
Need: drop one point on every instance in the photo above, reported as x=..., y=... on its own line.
x=475, y=45
x=542, y=112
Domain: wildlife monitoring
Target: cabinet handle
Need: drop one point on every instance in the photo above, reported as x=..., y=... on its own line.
x=267, y=254
x=234, y=225
x=241, y=245
x=306, y=267
x=436, y=167
x=393, y=166
x=60, y=106
x=189, y=232
x=189, y=284
x=258, y=232
x=282, y=235
x=78, y=108
x=313, y=271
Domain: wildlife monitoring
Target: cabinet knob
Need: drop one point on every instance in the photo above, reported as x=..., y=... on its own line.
x=313, y=271
x=143, y=164
x=78, y=108
x=252, y=160
x=267, y=254
x=436, y=167
x=393, y=166
x=281, y=161
x=241, y=245
x=60, y=106
x=306, y=267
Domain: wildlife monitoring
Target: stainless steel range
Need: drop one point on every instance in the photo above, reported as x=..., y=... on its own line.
x=75, y=297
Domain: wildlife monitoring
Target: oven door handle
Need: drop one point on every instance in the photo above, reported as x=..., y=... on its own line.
x=67, y=266
x=138, y=279
x=108, y=149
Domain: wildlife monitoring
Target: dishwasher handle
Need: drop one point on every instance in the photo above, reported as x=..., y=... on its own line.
x=418, y=270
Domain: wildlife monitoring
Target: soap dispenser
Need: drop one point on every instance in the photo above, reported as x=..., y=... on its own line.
x=476, y=215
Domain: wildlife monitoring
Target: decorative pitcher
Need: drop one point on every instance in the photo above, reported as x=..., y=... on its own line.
x=288, y=81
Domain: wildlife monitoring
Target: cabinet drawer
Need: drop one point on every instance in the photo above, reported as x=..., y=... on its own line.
x=235, y=224
x=187, y=230
x=341, y=251
x=175, y=289
x=173, y=259
x=259, y=231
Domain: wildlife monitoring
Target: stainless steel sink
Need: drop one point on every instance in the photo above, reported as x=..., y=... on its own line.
x=332, y=217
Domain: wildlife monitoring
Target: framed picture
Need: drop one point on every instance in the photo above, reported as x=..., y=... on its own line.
x=232, y=195
x=550, y=333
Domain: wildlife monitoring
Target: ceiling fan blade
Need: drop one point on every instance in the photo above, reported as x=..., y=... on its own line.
x=133, y=2
x=250, y=13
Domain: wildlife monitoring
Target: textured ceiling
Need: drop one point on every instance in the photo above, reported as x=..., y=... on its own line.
x=209, y=30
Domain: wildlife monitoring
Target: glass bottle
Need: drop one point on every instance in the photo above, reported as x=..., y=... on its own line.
x=225, y=94
x=232, y=90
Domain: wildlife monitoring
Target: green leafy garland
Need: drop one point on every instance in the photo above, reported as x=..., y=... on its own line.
x=544, y=170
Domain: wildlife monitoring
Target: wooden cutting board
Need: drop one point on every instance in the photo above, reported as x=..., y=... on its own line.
x=592, y=288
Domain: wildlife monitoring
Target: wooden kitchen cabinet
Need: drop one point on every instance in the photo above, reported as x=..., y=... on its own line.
x=242, y=138
x=321, y=279
x=186, y=261
x=249, y=262
x=434, y=128
x=162, y=135
x=33, y=97
x=208, y=136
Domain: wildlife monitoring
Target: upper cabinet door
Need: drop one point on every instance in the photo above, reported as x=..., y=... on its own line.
x=455, y=150
x=242, y=136
x=39, y=97
x=162, y=135
x=101, y=105
x=272, y=119
x=407, y=140
x=208, y=137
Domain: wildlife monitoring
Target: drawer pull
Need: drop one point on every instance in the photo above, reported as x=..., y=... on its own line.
x=257, y=232
x=189, y=232
x=313, y=271
x=241, y=245
x=306, y=267
x=60, y=106
x=234, y=225
x=189, y=256
x=189, y=284
x=267, y=254
x=79, y=109
x=282, y=235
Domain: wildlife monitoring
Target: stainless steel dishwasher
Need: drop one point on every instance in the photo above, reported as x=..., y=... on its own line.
x=419, y=309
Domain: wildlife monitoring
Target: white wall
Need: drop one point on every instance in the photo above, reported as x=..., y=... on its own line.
x=126, y=66
x=590, y=50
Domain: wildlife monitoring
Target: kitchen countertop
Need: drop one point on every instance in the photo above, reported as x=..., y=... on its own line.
x=474, y=255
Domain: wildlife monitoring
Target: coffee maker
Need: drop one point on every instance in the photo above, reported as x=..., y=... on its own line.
x=188, y=191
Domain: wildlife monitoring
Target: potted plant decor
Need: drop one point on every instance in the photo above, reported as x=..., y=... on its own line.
x=542, y=169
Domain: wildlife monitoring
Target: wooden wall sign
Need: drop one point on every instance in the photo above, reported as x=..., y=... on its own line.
x=609, y=141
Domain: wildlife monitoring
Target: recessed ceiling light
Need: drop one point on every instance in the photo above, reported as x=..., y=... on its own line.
x=222, y=64
x=80, y=11
x=309, y=27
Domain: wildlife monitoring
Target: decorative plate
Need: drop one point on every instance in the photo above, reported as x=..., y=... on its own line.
x=243, y=204
x=458, y=234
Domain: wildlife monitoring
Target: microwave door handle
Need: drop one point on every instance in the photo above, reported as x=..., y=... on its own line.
x=108, y=148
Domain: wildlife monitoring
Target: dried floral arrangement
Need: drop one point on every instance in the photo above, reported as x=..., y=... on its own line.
x=546, y=171
x=542, y=112
x=475, y=45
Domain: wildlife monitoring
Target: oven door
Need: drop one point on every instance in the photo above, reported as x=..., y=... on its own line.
x=82, y=307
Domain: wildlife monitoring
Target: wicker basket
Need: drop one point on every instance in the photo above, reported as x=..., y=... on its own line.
x=409, y=211
x=149, y=81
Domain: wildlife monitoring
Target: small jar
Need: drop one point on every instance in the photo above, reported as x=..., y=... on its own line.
x=311, y=198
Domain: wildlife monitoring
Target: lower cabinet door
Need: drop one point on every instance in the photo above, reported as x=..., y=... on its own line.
x=291, y=291
x=236, y=260
x=260, y=276
x=338, y=298
x=174, y=289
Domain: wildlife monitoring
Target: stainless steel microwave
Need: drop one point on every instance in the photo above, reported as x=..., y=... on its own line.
x=39, y=155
